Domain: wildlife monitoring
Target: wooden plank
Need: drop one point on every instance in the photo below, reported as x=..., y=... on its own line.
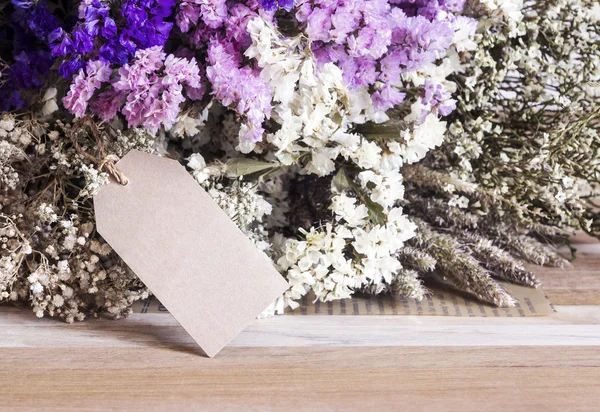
x=148, y=362
x=578, y=284
x=575, y=314
x=467, y=379
x=571, y=326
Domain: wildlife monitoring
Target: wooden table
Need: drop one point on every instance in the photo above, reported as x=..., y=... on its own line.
x=410, y=363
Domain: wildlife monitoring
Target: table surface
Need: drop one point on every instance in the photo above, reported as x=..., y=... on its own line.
x=549, y=363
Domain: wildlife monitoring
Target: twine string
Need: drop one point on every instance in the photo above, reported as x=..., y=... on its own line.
x=108, y=161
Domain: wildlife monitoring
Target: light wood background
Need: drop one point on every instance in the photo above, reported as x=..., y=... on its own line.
x=407, y=363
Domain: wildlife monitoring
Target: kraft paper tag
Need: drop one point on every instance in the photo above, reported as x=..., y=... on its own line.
x=188, y=252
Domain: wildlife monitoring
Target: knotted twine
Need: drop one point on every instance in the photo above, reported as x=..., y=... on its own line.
x=107, y=161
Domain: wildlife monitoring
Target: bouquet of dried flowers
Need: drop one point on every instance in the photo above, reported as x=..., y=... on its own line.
x=363, y=145
x=519, y=168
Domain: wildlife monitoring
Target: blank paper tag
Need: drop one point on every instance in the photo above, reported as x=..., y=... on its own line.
x=188, y=252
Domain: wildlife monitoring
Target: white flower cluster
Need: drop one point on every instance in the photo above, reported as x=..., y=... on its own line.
x=241, y=200
x=543, y=69
x=94, y=180
x=15, y=248
x=50, y=254
x=313, y=107
x=13, y=140
x=508, y=12
x=316, y=114
x=332, y=262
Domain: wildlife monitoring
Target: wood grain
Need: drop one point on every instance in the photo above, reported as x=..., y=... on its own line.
x=415, y=363
x=576, y=325
x=578, y=284
x=396, y=378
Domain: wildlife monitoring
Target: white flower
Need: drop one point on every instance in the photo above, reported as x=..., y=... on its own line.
x=345, y=208
x=49, y=99
x=58, y=301
x=36, y=288
x=198, y=165
x=459, y=201
x=322, y=161
x=94, y=180
x=594, y=13
x=425, y=137
x=46, y=213
x=368, y=155
x=463, y=35
x=185, y=125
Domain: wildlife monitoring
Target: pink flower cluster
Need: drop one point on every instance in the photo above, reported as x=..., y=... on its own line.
x=211, y=12
x=84, y=85
x=147, y=92
x=373, y=42
x=238, y=87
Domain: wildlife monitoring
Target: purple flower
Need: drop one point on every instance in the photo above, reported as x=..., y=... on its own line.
x=35, y=18
x=373, y=42
x=23, y=4
x=160, y=8
x=29, y=68
x=151, y=89
x=418, y=41
x=241, y=88
x=113, y=52
x=181, y=71
x=60, y=42
x=387, y=97
x=438, y=99
x=96, y=14
x=10, y=99
x=235, y=25
x=319, y=24
x=69, y=67
x=82, y=41
x=84, y=85
x=271, y=5
x=210, y=12
x=107, y=104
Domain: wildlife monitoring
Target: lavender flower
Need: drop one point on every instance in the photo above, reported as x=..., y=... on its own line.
x=211, y=12
x=271, y=5
x=438, y=99
x=239, y=87
x=376, y=41
x=148, y=92
x=84, y=85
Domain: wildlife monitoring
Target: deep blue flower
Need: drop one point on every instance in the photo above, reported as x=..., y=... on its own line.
x=30, y=67
x=60, y=42
x=82, y=41
x=113, y=52
x=109, y=28
x=36, y=19
x=162, y=8
x=136, y=17
x=95, y=14
x=271, y=5
x=69, y=67
x=10, y=99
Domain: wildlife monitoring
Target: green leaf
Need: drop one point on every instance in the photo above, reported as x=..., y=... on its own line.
x=375, y=211
x=242, y=166
x=341, y=182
